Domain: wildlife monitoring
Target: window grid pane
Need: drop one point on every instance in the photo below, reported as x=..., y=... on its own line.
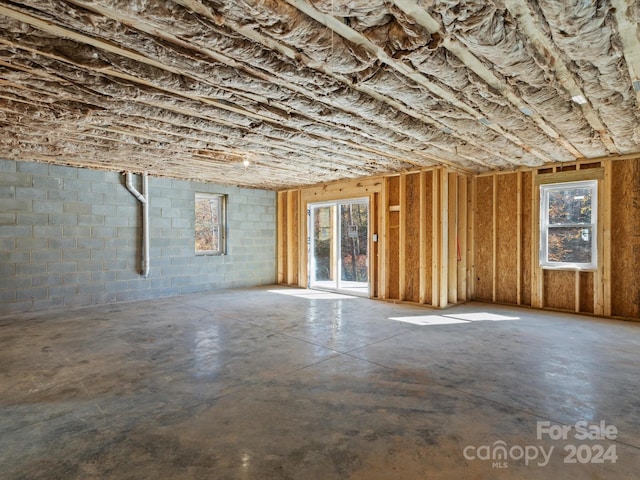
x=209, y=226
x=568, y=225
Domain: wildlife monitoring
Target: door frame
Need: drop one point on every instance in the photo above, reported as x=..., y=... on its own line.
x=310, y=244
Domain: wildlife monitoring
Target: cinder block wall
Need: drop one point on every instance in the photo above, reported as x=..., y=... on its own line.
x=72, y=237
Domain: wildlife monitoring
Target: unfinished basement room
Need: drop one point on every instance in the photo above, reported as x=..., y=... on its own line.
x=319, y=239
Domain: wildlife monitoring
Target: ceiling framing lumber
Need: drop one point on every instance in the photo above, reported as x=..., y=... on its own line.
x=315, y=91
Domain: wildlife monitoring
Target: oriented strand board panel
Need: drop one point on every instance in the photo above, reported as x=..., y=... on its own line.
x=393, y=238
x=525, y=240
x=560, y=289
x=507, y=239
x=586, y=292
x=412, y=239
x=484, y=239
x=625, y=239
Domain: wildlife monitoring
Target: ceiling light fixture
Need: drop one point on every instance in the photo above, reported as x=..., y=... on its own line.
x=579, y=99
x=246, y=163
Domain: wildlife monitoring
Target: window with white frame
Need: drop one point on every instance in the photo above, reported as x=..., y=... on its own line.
x=210, y=224
x=568, y=221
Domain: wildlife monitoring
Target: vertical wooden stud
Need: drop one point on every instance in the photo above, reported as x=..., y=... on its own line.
x=606, y=244
x=519, y=239
x=577, y=291
x=443, y=238
x=461, y=243
x=373, y=246
x=282, y=211
x=602, y=277
x=290, y=226
x=495, y=236
x=471, y=250
x=423, y=239
x=303, y=242
x=435, y=238
x=402, y=280
x=382, y=240
x=452, y=235
x=536, y=271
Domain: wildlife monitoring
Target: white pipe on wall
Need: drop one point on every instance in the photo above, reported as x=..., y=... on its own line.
x=143, y=198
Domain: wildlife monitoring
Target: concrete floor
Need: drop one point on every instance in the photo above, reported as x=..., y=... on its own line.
x=250, y=384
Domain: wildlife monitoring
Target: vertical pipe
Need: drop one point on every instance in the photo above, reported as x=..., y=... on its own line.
x=143, y=198
x=145, y=226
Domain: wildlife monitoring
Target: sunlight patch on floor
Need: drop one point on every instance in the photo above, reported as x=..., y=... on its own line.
x=494, y=317
x=310, y=294
x=428, y=320
x=448, y=319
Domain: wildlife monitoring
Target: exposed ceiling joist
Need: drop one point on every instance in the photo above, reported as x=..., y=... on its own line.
x=628, y=29
x=521, y=12
x=316, y=90
x=357, y=38
x=423, y=18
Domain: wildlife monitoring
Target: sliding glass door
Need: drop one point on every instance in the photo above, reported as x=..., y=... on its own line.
x=339, y=246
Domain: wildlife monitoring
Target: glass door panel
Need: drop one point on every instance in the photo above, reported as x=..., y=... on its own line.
x=323, y=240
x=354, y=243
x=338, y=246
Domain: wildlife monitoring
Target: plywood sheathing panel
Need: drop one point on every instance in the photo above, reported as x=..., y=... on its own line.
x=393, y=237
x=625, y=239
x=525, y=240
x=412, y=238
x=586, y=292
x=559, y=289
x=507, y=239
x=484, y=239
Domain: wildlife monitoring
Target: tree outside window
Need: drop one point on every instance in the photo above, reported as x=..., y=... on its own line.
x=568, y=225
x=210, y=224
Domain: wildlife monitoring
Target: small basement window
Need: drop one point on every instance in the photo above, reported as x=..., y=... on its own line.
x=210, y=224
x=568, y=220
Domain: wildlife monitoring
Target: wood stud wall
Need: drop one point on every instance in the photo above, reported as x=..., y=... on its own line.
x=446, y=237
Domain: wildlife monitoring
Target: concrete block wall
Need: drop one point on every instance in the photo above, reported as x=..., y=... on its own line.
x=72, y=237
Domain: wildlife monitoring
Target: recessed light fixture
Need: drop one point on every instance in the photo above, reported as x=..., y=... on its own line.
x=246, y=163
x=579, y=99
